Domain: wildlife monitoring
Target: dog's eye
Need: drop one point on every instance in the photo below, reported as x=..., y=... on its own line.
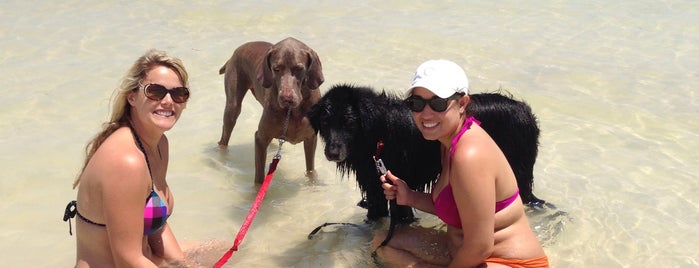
x=327, y=112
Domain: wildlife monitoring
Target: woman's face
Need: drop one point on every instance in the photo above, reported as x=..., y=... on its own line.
x=437, y=125
x=163, y=113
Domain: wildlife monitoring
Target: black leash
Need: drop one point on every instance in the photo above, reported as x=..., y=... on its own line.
x=317, y=229
x=381, y=169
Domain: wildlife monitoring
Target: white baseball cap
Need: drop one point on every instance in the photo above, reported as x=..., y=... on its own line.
x=442, y=77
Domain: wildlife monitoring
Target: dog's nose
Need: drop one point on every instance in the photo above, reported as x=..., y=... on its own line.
x=332, y=152
x=288, y=102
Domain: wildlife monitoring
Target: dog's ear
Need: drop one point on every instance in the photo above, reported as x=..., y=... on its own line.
x=314, y=76
x=364, y=101
x=266, y=76
x=313, y=116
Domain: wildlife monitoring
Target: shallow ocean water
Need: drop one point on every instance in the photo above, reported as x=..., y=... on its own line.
x=614, y=86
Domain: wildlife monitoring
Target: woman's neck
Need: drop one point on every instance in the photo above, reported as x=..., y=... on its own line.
x=447, y=140
x=149, y=138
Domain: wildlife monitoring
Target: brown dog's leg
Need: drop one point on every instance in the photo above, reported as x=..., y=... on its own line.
x=309, y=148
x=261, y=144
x=236, y=87
x=230, y=116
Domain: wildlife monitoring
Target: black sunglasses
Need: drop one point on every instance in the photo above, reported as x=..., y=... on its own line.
x=417, y=103
x=157, y=92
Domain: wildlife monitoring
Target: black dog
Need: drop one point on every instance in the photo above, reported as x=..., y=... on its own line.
x=353, y=120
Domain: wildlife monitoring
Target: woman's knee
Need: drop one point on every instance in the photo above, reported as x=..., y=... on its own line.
x=378, y=239
x=411, y=245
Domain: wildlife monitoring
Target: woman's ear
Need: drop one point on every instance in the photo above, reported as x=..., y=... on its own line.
x=463, y=102
x=131, y=97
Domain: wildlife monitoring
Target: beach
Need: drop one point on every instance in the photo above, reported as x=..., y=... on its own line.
x=613, y=85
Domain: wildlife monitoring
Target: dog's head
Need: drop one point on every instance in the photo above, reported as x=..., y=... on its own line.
x=293, y=71
x=340, y=117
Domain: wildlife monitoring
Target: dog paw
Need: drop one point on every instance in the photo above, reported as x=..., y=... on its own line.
x=311, y=174
x=363, y=203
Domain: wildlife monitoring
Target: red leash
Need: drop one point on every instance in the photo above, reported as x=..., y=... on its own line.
x=251, y=214
x=258, y=199
x=379, y=148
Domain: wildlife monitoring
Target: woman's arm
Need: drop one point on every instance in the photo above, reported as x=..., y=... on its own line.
x=399, y=190
x=165, y=247
x=473, y=183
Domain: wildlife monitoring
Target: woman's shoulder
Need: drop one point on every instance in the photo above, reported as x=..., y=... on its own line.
x=120, y=142
x=119, y=156
x=475, y=144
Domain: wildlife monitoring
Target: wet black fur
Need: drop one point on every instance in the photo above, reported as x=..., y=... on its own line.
x=361, y=118
x=515, y=129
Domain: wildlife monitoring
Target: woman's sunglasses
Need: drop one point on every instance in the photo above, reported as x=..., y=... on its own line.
x=157, y=92
x=417, y=103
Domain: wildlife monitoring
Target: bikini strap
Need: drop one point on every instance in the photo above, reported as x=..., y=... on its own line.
x=69, y=213
x=467, y=125
x=140, y=147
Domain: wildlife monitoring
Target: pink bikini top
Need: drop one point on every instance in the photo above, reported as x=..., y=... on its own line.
x=444, y=204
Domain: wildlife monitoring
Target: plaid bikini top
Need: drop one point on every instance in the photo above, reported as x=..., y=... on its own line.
x=155, y=213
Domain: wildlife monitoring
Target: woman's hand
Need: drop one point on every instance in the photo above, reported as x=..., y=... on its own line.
x=395, y=188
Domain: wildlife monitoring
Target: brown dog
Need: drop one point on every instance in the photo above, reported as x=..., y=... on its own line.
x=282, y=76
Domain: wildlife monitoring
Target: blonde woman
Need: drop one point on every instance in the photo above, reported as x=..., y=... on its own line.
x=123, y=199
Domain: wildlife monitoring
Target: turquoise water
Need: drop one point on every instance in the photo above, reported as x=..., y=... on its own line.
x=614, y=85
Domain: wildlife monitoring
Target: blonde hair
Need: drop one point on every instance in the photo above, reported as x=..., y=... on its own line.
x=121, y=110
